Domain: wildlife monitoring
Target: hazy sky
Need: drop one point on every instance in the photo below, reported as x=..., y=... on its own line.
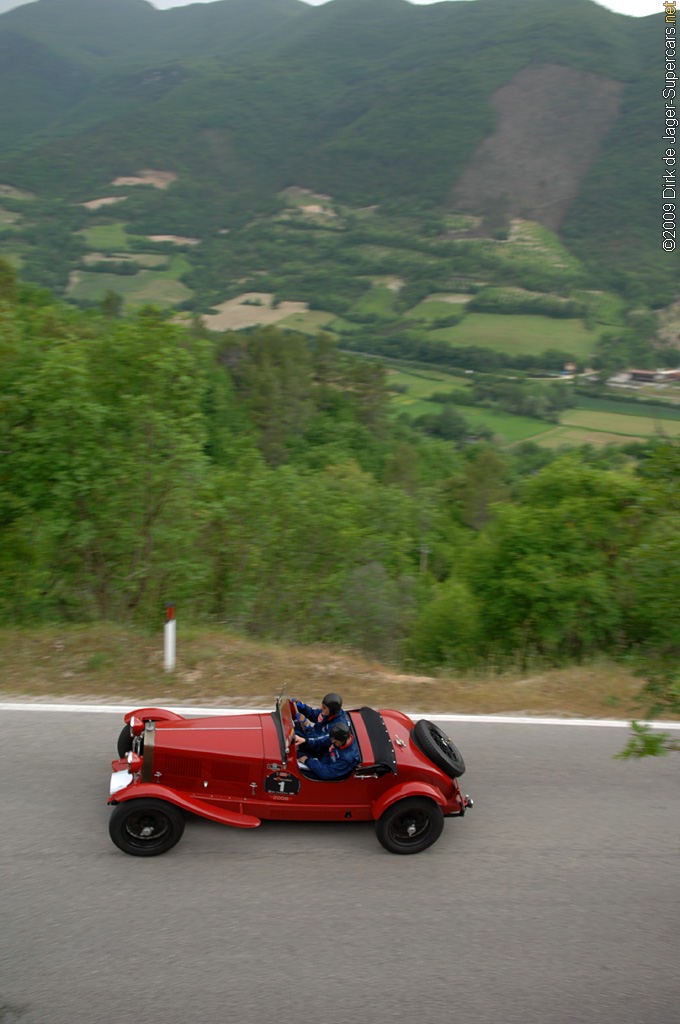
x=637, y=8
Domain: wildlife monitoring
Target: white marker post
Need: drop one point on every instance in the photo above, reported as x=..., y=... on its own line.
x=170, y=643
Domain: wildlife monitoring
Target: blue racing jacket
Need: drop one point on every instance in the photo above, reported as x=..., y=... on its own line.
x=317, y=738
x=337, y=762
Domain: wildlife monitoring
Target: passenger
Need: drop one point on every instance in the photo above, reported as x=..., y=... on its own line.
x=341, y=757
x=312, y=725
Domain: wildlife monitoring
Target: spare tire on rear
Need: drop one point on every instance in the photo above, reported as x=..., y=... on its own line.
x=437, y=746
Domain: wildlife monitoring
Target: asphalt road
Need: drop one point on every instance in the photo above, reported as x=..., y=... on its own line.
x=553, y=902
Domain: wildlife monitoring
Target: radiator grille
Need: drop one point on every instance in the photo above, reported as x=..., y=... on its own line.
x=228, y=771
x=185, y=767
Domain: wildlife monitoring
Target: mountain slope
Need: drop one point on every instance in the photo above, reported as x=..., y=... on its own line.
x=450, y=106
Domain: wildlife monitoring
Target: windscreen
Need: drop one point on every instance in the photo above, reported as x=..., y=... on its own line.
x=285, y=717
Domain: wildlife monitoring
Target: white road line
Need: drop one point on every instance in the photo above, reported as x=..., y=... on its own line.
x=122, y=709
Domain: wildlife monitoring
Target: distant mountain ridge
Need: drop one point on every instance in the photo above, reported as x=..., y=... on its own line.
x=373, y=103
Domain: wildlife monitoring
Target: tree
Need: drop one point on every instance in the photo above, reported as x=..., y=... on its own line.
x=8, y=282
x=105, y=471
x=545, y=569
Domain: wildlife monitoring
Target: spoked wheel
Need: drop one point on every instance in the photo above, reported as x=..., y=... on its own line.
x=410, y=826
x=145, y=827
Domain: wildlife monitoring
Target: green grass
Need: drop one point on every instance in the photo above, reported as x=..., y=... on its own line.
x=575, y=437
x=177, y=268
x=530, y=238
x=648, y=411
x=380, y=300
x=519, y=335
x=342, y=326
x=414, y=406
x=422, y=383
x=510, y=429
x=307, y=323
x=620, y=424
x=160, y=289
x=606, y=308
x=107, y=237
x=430, y=310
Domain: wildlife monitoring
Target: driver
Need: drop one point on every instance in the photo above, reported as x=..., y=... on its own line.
x=341, y=757
x=312, y=725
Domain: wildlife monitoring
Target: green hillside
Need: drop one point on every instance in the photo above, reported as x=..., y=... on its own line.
x=433, y=182
x=381, y=102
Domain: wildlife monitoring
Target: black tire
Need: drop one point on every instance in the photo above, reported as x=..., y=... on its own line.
x=125, y=742
x=410, y=826
x=436, y=745
x=146, y=827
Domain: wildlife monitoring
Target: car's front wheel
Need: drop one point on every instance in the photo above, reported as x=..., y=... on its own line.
x=125, y=743
x=410, y=826
x=146, y=827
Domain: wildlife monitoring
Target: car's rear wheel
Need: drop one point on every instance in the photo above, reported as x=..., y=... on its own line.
x=410, y=826
x=437, y=746
x=146, y=827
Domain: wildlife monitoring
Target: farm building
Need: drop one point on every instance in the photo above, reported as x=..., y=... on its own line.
x=651, y=376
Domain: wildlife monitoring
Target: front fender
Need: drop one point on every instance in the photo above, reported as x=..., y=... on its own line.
x=186, y=803
x=153, y=714
x=404, y=790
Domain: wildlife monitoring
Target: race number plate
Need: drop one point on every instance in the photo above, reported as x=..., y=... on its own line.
x=282, y=783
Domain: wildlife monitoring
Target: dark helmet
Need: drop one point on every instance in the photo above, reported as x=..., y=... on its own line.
x=339, y=731
x=333, y=702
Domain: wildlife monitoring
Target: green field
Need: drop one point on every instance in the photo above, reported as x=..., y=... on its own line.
x=432, y=309
x=423, y=383
x=162, y=288
x=574, y=437
x=531, y=238
x=509, y=428
x=606, y=308
x=107, y=237
x=379, y=300
x=620, y=424
x=307, y=323
x=597, y=421
x=644, y=409
x=519, y=335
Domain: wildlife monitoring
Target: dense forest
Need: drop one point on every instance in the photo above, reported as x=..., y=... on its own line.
x=258, y=480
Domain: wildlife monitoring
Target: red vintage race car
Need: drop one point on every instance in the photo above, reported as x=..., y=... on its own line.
x=242, y=769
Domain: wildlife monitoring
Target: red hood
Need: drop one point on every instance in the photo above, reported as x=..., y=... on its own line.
x=237, y=735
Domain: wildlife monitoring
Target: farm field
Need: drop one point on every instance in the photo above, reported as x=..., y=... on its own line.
x=312, y=322
x=620, y=424
x=519, y=335
x=423, y=383
x=436, y=308
x=379, y=300
x=574, y=437
x=648, y=411
x=161, y=287
x=596, y=421
x=109, y=237
x=252, y=309
x=509, y=428
x=420, y=384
